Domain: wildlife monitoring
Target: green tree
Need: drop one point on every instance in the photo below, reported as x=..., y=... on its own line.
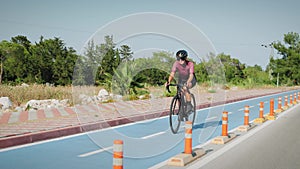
x=288, y=66
x=54, y=62
x=126, y=53
x=233, y=68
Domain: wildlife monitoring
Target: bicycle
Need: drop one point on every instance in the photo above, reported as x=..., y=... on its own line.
x=178, y=108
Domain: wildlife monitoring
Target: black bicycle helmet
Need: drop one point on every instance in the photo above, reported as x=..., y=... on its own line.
x=181, y=54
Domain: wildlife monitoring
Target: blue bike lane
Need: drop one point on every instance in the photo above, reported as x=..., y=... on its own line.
x=146, y=143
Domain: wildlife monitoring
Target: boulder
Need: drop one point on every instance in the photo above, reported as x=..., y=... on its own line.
x=5, y=103
x=103, y=93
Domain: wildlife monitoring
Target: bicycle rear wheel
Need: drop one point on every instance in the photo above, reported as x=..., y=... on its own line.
x=174, y=115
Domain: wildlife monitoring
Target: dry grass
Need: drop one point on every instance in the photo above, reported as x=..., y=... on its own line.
x=20, y=95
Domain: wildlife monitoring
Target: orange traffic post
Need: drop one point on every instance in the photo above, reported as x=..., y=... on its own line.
x=225, y=124
x=189, y=154
x=295, y=98
x=279, y=110
x=261, y=118
x=225, y=137
x=246, y=127
x=286, y=106
x=299, y=96
x=272, y=107
x=118, y=154
x=246, y=116
x=188, y=137
x=271, y=115
x=291, y=100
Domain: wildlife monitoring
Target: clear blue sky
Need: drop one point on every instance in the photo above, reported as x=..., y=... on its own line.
x=235, y=27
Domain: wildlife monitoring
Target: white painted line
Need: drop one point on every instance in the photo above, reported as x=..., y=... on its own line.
x=230, y=112
x=95, y=152
x=211, y=118
x=153, y=135
x=244, y=108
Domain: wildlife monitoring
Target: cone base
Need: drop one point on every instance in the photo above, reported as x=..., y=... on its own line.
x=245, y=128
x=259, y=120
x=223, y=139
x=184, y=159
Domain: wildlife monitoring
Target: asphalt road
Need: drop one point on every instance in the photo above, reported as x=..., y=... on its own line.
x=276, y=146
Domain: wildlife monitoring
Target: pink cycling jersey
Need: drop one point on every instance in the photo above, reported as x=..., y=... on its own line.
x=183, y=70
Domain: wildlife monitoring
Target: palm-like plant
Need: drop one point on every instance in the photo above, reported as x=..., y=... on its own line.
x=125, y=80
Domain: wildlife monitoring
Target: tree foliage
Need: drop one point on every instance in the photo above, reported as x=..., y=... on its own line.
x=112, y=66
x=288, y=66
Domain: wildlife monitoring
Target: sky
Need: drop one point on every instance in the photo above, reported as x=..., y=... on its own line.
x=234, y=27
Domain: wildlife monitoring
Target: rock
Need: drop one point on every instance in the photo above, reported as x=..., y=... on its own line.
x=24, y=85
x=5, y=102
x=42, y=104
x=103, y=93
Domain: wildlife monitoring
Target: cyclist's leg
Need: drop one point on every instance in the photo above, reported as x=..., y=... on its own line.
x=189, y=106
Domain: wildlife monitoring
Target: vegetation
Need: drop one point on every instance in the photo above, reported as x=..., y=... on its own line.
x=114, y=68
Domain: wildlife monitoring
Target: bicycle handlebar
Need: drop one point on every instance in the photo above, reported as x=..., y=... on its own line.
x=168, y=86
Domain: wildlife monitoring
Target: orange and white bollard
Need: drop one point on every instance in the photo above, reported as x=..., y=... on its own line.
x=246, y=116
x=189, y=154
x=118, y=154
x=299, y=96
x=286, y=101
x=279, y=103
x=279, y=110
x=261, y=110
x=188, y=137
x=261, y=118
x=291, y=100
x=246, y=127
x=225, y=137
x=271, y=115
x=225, y=124
x=295, y=98
x=272, y=107
x=286, y=106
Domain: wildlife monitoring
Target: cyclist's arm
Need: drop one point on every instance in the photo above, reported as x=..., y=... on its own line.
x=189, y=81
x=171, y=77
x=191, y=76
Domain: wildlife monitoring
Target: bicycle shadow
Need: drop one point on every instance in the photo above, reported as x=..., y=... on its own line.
x=207, y=124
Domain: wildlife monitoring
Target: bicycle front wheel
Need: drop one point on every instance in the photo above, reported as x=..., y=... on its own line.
x=192, y=115
x=174, y=114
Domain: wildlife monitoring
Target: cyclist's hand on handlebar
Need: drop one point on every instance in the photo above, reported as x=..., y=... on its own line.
x=189, y=84
x=167, y=84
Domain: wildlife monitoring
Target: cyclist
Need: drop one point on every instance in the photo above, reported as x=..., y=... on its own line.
x=187, y=78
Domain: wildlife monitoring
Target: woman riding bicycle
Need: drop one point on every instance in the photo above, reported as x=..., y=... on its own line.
x=185, y=71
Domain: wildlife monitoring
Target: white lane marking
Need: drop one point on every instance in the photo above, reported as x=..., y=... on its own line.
x=211, y=118
x=244, y=108
x=230, y=112
x=95, y=152
x=153, y=135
